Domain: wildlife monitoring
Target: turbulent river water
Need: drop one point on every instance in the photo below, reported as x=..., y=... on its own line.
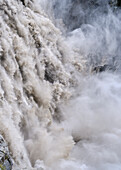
x=60, y=84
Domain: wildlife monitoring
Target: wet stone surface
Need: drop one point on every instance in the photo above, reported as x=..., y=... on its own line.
x=5, y=160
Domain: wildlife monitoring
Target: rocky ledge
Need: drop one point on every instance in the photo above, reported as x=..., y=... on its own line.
x=5, y=160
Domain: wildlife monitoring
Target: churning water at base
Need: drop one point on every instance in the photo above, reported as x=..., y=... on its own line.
x=60, y=84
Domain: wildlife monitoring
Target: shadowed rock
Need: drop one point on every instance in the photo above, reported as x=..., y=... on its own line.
x=102, y=68
x=23, y=2
x=119, y=3
x=5, y=160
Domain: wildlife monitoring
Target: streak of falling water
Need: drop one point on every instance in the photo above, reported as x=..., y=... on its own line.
x=60, y=84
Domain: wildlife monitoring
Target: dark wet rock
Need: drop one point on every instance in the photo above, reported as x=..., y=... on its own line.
x=23, y=2
x=5, y=160
x=103, y=68
x=50, y=73
x=119, y=3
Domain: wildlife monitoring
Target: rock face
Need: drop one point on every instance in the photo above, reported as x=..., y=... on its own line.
x=119, y=3
x=5, y=160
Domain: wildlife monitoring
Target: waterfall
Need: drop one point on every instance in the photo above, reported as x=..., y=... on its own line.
x=60, y=84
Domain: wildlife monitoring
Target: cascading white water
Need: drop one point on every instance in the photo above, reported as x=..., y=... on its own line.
x=56, y=113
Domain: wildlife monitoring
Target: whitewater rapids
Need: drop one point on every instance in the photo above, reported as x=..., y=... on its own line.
x=56, y=113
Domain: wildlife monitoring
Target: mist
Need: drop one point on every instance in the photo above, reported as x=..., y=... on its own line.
x=92, y=116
